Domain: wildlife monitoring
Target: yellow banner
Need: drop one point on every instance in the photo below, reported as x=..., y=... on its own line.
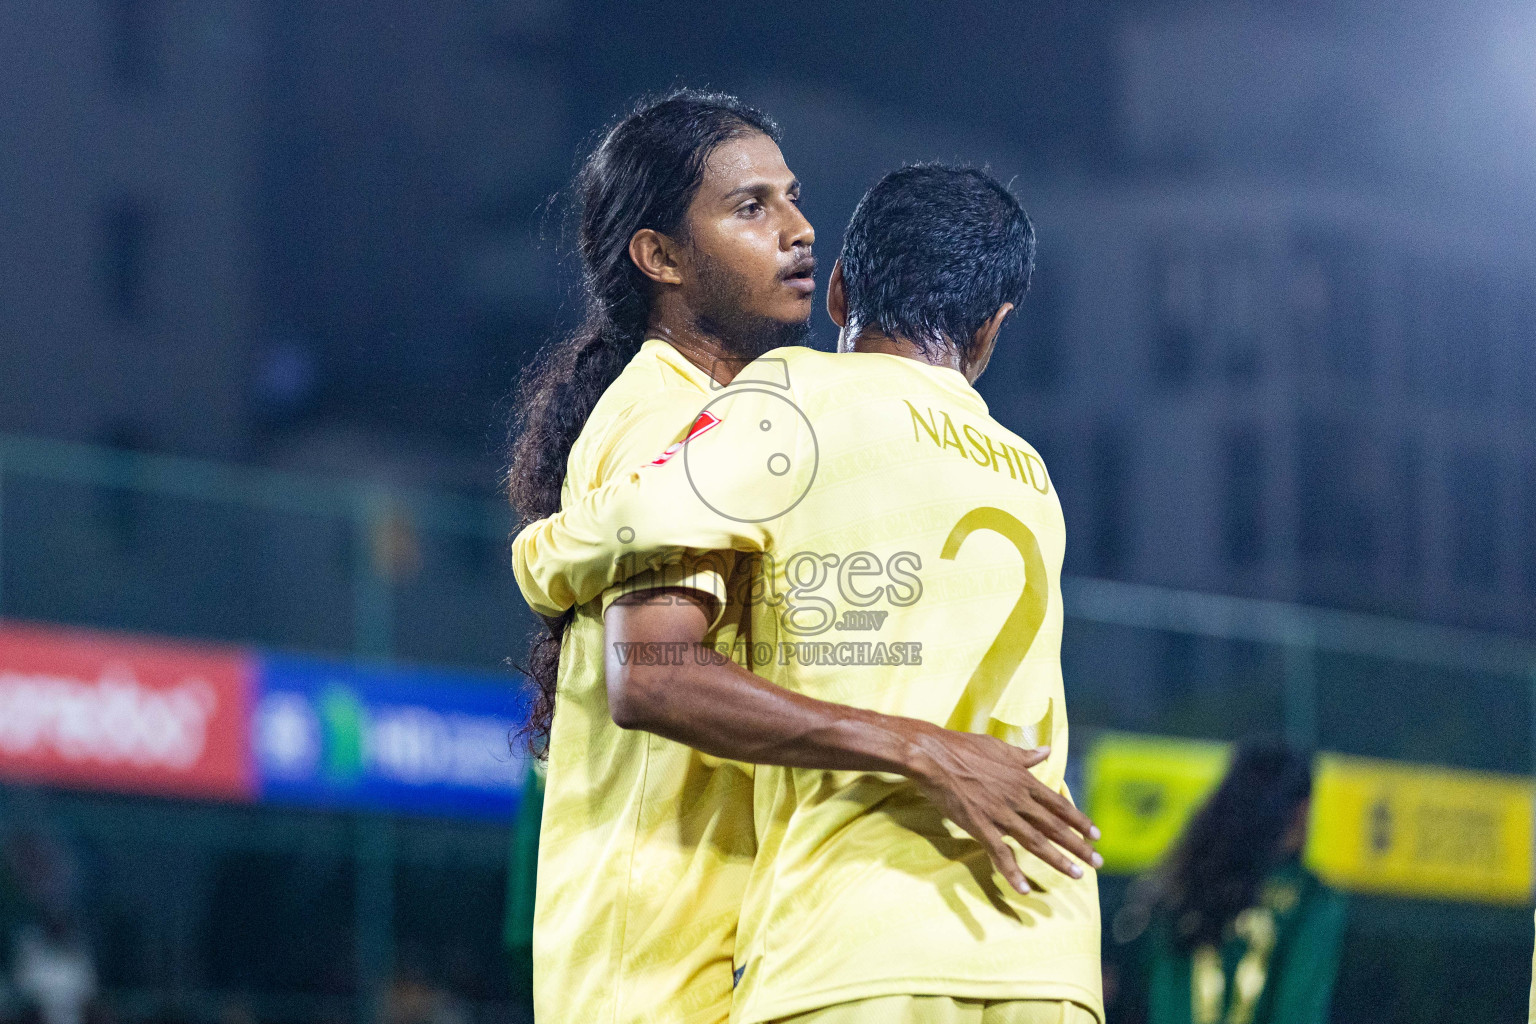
x=1142, y=789
x=1410, y=830
x=1377, y=826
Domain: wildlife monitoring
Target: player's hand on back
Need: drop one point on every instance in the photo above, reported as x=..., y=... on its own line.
x=985, y=786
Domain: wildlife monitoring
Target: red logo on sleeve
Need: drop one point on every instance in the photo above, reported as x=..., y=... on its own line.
x=707, y=421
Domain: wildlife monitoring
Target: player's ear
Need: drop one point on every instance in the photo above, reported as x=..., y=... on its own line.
x=837, y=297
x=656, y=255
x=984, y=341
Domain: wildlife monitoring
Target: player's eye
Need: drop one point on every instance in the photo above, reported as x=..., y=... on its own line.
x=750, y=208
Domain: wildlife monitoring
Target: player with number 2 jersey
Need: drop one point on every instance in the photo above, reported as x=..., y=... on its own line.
x=871, y=483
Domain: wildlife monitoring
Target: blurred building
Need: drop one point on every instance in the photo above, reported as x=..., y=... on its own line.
x=1289, y=351
x=1275, y=347
x=130, y=292
x=1290, y=391
x=276, y=232
x=410, y=151
x=1280, y=343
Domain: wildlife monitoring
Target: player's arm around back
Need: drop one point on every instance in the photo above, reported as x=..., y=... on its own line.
x=715, y=492
x=662, y=679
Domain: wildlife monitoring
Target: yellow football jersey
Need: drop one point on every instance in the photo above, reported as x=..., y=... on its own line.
x=645, y=844
x=910, y=550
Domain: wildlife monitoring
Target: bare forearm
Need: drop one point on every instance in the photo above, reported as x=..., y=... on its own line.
x=722, y=709
x=695, y=696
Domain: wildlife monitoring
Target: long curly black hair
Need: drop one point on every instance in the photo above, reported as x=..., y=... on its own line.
x=643, y=174
x=1229, y=846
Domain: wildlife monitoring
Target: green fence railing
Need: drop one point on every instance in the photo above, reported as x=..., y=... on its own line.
x=101, y=537
x=111, y=539
x=118, y=539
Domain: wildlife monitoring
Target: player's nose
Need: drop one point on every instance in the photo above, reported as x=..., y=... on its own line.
x=797, y=230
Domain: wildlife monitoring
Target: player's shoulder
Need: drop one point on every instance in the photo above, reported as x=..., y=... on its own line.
x=991, y=427
x=639, y=413
x=801, y=369
x=779, y=366
x=799, y=355
x=656, y=367
x=1002, y=432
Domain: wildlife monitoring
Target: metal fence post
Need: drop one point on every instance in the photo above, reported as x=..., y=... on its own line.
x=1531, y=689
x=372, y=610
x=374, y=838
x=1300, y=701
x=2, y=537
x=374, y=914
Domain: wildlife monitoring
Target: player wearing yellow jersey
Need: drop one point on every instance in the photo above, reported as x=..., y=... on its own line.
x=695, y=259
x=875, y=494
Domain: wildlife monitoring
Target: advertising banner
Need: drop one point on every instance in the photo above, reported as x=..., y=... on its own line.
x=1376, y=826
x=87, y=709
x=332, y=734
x=1142, y=790
x=1415, y=830
x=91, y=710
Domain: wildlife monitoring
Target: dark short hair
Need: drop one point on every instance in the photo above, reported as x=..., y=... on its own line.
x=931, y=253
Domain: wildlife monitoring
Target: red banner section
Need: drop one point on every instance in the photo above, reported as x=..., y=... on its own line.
x=80, y=708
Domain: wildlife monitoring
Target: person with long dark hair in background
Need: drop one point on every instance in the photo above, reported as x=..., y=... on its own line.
x=1232, y=929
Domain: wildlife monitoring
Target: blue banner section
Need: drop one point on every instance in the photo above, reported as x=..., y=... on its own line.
x=338, y=735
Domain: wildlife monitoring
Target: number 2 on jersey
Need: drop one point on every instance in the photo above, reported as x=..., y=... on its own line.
x=986, y=685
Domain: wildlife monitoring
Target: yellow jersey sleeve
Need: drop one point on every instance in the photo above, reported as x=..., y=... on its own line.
x=621, y=451
x=750, y=457
x=705, y=579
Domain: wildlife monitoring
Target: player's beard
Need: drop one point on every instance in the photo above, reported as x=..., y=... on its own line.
x=720, y=314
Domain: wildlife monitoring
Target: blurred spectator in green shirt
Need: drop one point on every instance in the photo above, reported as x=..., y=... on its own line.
x=1231, y=928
